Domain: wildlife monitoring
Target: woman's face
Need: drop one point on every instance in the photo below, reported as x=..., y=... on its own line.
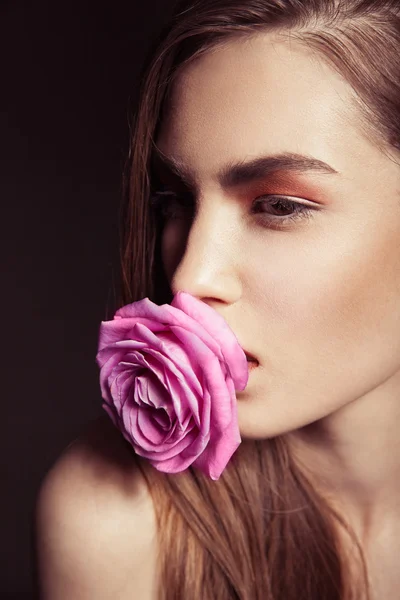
x=315, y=298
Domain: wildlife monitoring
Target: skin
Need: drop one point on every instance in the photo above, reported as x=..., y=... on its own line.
x=317, y=301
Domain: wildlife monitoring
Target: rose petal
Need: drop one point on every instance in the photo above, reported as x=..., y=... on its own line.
x=150, y=428
x=211, y=320
x=221, y=412
x=168, y=376
x=167, y=451
x=144, y=312
x=213, y=460
x=179, y=462
x=121, y=329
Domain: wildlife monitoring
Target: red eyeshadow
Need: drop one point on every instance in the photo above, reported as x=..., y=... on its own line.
x=287, y=184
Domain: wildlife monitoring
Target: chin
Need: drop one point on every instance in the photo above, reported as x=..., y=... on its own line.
x=264, y=422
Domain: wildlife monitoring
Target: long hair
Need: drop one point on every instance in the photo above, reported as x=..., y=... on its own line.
x=262, y=531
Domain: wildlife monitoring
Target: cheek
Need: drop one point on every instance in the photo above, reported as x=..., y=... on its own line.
x=333, y=309
x=330, y=328
x=370, y=303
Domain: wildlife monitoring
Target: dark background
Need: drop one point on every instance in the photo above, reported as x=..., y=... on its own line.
x=69, y=77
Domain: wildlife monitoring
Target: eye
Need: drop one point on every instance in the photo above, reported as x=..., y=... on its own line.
x=170, y=206
x=297, y=211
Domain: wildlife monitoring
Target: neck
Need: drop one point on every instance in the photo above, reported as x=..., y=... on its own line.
x=354, y=458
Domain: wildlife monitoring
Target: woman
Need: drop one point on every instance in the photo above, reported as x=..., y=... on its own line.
x=274, y=126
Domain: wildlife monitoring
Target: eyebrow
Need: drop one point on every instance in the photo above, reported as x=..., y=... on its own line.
x=238, y=173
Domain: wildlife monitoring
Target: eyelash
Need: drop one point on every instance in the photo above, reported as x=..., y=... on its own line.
x=161, y=202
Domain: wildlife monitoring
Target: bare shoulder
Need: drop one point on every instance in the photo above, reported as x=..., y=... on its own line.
x=95, y=522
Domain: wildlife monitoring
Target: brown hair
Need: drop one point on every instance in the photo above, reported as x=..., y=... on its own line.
x=262, y=531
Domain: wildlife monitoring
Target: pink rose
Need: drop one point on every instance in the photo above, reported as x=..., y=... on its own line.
x=168, y=376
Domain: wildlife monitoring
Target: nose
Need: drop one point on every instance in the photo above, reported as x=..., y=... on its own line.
x=205, y=260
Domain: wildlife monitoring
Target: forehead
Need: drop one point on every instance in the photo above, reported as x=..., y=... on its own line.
x=265, y=94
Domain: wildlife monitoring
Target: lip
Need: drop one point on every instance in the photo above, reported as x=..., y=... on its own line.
x=252, y=365
x=252, y=362
x=250, y=357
